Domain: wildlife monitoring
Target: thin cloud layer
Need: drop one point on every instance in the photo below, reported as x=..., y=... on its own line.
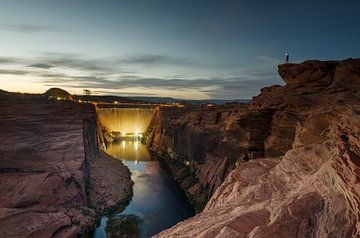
x=13, y=72
x=8, y=60
x=117, y=75
x=268, y=59
x=159, y=60
x=215, y=88
x=28, y=28
x=41, y=65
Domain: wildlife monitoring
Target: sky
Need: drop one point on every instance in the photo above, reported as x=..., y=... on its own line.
x=188, y=49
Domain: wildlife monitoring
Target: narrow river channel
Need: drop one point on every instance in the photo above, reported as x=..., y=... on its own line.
x=157, y=199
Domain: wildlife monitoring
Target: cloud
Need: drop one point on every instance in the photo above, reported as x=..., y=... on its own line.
x=268, y=59
x=236, y=87
x=13, y=72
x=41, y=65
x=110, y=65
x=112, y=75
x=109, y=92
x=79, y=62
x=159, y=60
x=8, y=60
x=28, y=28
x=172, y=83
x=108, y=78
x=5, y=61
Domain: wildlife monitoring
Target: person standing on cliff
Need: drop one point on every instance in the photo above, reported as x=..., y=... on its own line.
x=287, y=58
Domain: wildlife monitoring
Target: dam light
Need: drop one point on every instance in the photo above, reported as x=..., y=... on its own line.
x=116, y=102
x=123, y=134
x=136, y=134
x=136, y=145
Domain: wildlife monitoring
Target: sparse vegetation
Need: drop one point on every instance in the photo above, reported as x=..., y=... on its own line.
x=123, y=226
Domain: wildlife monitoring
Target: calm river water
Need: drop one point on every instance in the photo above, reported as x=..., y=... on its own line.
x=157, y=199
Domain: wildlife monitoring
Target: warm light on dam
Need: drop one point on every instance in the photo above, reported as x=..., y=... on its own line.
x=125, y=120
x=136, y=145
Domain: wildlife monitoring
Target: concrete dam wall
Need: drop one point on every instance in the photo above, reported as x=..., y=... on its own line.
x=125, y=120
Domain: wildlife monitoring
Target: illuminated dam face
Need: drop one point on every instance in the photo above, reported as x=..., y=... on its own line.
x=125, y=120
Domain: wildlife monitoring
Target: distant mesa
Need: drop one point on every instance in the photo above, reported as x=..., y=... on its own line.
x=3, y=91
x=58, y=94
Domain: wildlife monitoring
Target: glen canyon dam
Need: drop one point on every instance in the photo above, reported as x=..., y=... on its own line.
x=179, y=119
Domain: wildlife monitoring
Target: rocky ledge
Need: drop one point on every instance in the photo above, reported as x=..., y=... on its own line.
x=287, y=165
x=54, y=181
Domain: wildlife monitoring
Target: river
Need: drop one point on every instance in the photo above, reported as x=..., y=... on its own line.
x=157, y=199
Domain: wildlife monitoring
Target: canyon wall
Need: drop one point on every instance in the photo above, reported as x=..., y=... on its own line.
x=54, y=181
x=287, y=165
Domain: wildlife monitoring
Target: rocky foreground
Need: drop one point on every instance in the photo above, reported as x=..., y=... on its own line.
x=54, y=181
x=302, y=144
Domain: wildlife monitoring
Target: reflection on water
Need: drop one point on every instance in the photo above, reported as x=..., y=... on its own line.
x=157, y=199
x=130, y=152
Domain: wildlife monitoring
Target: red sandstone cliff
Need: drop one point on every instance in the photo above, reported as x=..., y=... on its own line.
x=53, y=179
x=303, y=143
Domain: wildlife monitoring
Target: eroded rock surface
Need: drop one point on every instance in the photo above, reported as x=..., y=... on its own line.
x=53, y=179
x=303, y=143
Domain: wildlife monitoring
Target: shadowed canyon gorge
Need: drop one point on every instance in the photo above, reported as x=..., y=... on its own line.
x=285, y=165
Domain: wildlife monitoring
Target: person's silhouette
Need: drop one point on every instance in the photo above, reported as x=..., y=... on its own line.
x=287, y=58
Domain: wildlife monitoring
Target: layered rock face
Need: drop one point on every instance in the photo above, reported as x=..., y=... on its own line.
x=53, y=179
x=193, y=140
x=303, y=143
